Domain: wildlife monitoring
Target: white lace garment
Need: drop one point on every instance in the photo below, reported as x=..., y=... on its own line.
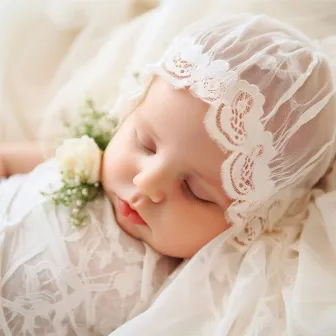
x=61, y=281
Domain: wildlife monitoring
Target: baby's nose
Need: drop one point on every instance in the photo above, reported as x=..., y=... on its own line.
x=149, y=186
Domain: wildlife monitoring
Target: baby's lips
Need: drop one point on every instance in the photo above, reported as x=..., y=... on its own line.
x=129, y=213
x=124, y=207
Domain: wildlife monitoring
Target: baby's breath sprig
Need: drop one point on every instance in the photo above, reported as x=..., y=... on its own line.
x=98, y=125
x=75, y=197
x=79, y=158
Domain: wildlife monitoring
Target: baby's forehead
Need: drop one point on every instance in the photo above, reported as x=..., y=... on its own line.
x=163, y=93
x=177, y=119
x=174, y=111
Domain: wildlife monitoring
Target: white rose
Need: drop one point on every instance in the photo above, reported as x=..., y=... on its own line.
x=79, y=159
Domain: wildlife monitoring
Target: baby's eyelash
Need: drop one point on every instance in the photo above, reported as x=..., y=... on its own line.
x=143, y=146
x=190, y=194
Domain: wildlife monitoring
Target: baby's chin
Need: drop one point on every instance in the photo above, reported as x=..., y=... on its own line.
x=145, y=234
x=139, y=232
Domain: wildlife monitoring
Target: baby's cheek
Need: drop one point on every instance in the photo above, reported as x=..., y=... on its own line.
x=116, y=168
x=109, y=167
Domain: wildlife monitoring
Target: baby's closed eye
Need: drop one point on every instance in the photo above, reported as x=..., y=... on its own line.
x=145, y=142
x=196, y=191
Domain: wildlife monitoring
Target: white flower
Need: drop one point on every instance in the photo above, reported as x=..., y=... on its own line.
x=79, y=158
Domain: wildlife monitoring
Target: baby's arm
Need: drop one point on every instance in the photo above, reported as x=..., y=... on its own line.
x=19, y=158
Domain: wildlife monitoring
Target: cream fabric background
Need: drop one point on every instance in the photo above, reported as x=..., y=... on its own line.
x=56, y=53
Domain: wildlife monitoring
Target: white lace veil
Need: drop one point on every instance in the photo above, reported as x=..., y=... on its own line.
x=272, y=109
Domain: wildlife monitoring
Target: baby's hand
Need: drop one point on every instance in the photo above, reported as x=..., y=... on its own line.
x=19, y=158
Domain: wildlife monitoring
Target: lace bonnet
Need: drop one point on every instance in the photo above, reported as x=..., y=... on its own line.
x=271, y=108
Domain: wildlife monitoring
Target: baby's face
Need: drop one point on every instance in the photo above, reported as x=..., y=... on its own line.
x=163, y=165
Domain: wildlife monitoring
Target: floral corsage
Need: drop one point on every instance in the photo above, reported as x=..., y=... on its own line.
x=79, y=158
